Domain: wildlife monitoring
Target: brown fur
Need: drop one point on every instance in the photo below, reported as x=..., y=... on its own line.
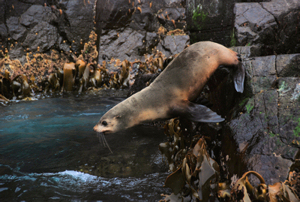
x=181, y=81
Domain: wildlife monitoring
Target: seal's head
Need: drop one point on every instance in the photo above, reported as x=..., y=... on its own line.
x=112, y=121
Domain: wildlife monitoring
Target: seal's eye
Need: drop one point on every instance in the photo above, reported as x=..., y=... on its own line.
x=104, y=123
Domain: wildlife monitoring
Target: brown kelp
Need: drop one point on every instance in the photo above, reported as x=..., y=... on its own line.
x=196, y=177
x=61, y=71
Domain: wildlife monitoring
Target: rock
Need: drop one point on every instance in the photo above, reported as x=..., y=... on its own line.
x=272, y=24
x=267, y=131
x=254, y=24
x=3, y=32
x=172, y=18
x=141, y=81
x=247, y=51
x=2, y=11
x=209, y=20
x=15, y=29
x=132, y=28
x=41, y=37
x=72, y=22
x=80, y=22
x=113, y=14
x=123, y=44
x=288, y=65
x=172, y=45
x=35, y=14
x=272, y=168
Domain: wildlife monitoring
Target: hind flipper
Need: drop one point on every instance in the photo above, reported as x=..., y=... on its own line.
x=239, y=78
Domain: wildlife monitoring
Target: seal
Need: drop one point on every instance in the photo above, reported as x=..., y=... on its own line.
x=171, y=93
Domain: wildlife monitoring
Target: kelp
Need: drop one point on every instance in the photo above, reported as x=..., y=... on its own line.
x=52, y=73
x=196, y=176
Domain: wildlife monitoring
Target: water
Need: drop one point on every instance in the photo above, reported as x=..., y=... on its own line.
x=49, y=152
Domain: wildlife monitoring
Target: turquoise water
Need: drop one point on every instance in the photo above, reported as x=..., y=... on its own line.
x=49, y=151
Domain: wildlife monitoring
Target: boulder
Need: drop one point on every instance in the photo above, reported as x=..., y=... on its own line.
x=267, y=131
x=69, y=24
x=130, y=29
x=78, y=22
x=123, y=44
x=254, y=24
x=41, y=37
x=36, y=14
x=273, y=24
x=15, y=29
x=172, y=45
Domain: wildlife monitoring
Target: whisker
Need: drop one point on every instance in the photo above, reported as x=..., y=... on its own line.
x=103, y=141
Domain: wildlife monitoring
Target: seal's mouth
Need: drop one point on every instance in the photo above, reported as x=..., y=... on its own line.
x=102, y=140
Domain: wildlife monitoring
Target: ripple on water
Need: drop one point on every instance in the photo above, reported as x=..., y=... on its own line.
x=44, y=144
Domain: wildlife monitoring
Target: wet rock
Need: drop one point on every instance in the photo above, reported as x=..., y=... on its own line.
x=3, y=33
x=266, y=131
x=136, y=14
x=288, y=65
x=41, y=37
x=172, y=45
x=247, y=51
x=262, y=73
x=79, y=16
x=15, y=29
x=141, y=82
x=132, y=27
x=209, y=20
x=35, y=14
x=273, y=24
x=254, y=24
x=123, y=44
x=172, y=18
x=72, y=20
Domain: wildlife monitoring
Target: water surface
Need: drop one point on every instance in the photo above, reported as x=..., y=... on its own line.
x=48, y=151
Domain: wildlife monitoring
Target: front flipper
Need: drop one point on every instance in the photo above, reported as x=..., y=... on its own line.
x=198, y=113
x=239, y=78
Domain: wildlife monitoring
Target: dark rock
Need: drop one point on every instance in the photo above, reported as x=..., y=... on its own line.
x=273, y=24
x=3, y=32
x=289, y=114
x=172, y=45
x=15, y=29
x=72, y=20
x=210, y=20
x=171, y=17
x=113, y=14
x=131, y=27
x=254, y=24
x=16, y=52
x=267, y=130
x=43, y=35
x=15, y=8
x=145, y=20
x=141, y=81
x=122, y=13
x=36, y=14
x=288, y=65
x=123, y=44
x=272, y=168
x=80, y=22
x=247, y=51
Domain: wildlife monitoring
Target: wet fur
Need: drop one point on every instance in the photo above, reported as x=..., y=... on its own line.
x=171, y=92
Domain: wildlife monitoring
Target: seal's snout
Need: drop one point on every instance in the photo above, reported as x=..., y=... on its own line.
x=96, y=128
